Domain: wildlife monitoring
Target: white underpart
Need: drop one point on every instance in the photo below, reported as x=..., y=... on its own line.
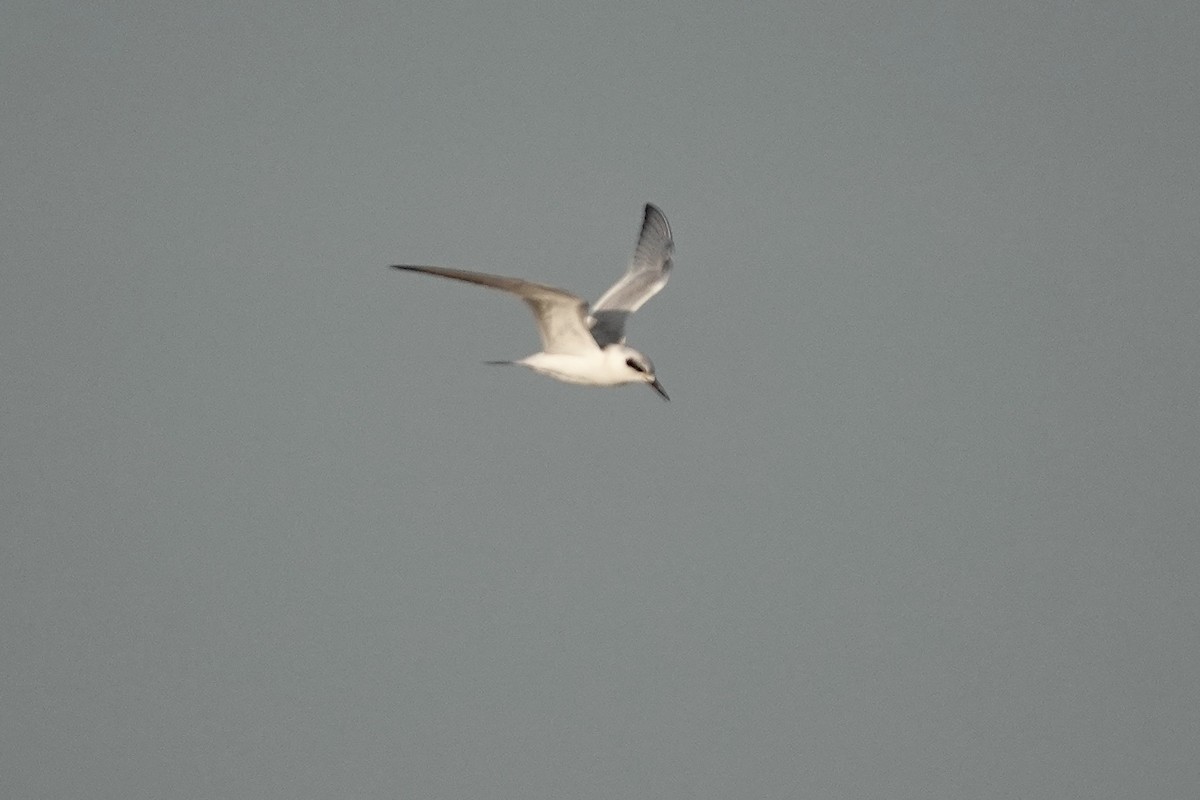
x=605, y=367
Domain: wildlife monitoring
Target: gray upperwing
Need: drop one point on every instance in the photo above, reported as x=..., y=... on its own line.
x=647, y=275
x=560, y=316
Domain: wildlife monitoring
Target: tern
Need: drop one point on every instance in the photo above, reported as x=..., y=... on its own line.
x=581, y=346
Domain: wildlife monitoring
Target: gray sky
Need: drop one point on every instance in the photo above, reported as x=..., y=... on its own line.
x=920, y=522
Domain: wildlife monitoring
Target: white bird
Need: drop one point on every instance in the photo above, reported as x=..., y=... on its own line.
x=583, y=348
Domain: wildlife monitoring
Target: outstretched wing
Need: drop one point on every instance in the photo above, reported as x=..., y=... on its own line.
x=561, y=316
x=646, y=276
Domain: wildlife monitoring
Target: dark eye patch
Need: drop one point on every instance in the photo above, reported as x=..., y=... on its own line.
x=629, y=362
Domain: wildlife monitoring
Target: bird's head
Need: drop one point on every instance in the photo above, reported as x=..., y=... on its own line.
x=641, y=369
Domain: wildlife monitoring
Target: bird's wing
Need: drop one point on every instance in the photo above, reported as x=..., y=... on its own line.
x=561, y=316
x=646, y=276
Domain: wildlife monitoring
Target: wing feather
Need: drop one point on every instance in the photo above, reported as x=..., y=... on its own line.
x=647, y=275
x=560, y=316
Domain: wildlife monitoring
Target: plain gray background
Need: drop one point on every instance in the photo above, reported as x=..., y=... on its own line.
x=921, y=521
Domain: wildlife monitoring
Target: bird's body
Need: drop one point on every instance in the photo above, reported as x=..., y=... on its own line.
x=583, y=348
x=605, y=367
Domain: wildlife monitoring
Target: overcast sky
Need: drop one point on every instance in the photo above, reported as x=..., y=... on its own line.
x=922, y=519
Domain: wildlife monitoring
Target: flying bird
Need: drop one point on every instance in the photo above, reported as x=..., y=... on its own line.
x=581, y=346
